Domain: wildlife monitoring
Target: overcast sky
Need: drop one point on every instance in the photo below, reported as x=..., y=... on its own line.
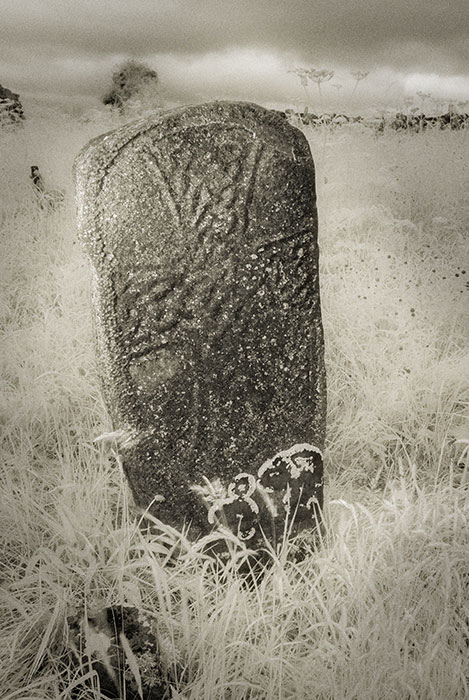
x=240, y=49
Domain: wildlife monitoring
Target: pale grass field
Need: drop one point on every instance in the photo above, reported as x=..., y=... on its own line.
x=380, y=611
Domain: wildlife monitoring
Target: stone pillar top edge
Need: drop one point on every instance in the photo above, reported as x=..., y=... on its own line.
x=245, y=114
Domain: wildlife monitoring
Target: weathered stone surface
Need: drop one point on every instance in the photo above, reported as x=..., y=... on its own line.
x=11, y=109
x=108, y=640
x=201, y=228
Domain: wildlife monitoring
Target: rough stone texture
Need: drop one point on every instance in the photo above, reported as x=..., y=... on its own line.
x=11, y=109
x=201, y=228
x=108, y=641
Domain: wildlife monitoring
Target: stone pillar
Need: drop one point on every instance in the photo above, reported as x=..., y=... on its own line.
x=200, y=225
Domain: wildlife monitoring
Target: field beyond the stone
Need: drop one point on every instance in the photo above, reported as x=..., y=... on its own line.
x=380, y=610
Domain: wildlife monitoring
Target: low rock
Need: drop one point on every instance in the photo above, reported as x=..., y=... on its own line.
x=11, y=109
x=121, y=646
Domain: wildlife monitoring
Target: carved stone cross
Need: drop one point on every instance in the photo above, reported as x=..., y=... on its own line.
x=200, y=225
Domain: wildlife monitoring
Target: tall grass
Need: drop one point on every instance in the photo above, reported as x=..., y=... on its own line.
x=380, y=610
x=395, y=277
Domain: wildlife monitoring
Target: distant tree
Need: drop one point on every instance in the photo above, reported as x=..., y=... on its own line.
x=133, y=81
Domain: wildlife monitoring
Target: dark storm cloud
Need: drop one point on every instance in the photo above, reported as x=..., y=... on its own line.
x=422, y=35
x=334, y=28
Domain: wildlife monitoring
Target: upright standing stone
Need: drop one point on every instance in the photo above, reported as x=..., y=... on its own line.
x=201, y=228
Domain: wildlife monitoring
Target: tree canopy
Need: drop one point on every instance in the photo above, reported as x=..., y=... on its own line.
x=132, y=80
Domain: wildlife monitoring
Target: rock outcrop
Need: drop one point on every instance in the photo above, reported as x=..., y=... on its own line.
x=11, y=109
